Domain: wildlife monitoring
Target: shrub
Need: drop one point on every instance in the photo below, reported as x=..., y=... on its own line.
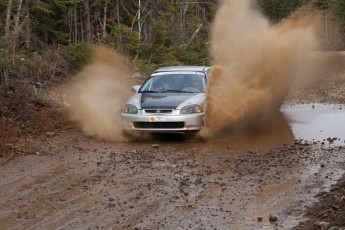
x=77, y=55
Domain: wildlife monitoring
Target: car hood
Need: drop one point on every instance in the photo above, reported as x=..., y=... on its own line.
x=164, y=100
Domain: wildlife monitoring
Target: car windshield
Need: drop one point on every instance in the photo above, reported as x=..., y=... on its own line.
x=183, y=82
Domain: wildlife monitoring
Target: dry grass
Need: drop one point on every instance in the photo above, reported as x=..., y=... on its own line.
x=24, y=118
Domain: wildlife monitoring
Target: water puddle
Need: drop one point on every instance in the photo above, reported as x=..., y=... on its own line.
x=311, y=123
x=317, y=122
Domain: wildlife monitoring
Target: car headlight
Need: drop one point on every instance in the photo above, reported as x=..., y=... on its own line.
x=191, y=109
x=130, y=109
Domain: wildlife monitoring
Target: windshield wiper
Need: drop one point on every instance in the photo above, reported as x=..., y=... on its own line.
x=184, y=91
x=173, y=91
x=148, y=91
x=178, y=91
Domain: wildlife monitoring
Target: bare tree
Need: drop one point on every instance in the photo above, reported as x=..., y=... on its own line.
x=7, y=38
x=88, y=22
x=75, y=24
x=8, y=18
x=119, y=40
x=104, y=31
x=194, y=35
x=16, y=30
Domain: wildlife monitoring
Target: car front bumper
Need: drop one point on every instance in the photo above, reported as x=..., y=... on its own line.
x=165, y=123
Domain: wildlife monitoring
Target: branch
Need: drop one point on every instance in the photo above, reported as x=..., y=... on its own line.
x=193, y=36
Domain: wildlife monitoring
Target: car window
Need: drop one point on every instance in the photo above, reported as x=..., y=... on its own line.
x=174, y=82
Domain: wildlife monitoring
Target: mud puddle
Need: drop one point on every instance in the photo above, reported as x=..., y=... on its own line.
x=260, y=136
x=308, y=123
x=317, y=123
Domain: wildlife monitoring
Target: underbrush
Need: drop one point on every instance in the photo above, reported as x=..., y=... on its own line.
x=24, y=117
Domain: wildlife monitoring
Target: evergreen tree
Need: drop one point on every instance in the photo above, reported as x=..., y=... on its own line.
x=150, y=32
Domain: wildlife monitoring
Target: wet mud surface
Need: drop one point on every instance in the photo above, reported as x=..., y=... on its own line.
x=319, y=123
x=78, y=182
x=281, y=174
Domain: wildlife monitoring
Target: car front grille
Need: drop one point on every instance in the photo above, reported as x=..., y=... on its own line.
x=158, y=125
x=158, y=110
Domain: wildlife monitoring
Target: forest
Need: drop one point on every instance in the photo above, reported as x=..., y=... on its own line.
x=49, y=40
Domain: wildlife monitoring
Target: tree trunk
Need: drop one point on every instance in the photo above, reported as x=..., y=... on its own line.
x=139, y=30
x=183, y=11
x=82, y=34
x=119, y=40
x=104, y=31
x=194, y=35
x=75, y=24
x=7, y=38
x=27, y=26
x=16, y=32
x=8, y=19
x=88, y=22
x=326, y=28
x=139, y=18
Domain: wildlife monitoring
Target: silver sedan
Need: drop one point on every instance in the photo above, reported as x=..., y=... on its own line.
x=170, y=100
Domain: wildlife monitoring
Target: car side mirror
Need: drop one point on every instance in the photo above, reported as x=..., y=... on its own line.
x=136, y=88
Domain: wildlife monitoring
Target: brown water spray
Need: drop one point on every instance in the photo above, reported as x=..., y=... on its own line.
x=254, y=64
x=98, y=94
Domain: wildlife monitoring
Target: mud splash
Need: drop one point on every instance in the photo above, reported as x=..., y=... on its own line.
x=257, y=137
x=254, y=65
x=98, y=94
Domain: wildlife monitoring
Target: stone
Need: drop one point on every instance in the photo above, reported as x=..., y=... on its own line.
x=155, y=146
x=323, y=225
x=334, y=228
x=272, y=218
x=50, y=134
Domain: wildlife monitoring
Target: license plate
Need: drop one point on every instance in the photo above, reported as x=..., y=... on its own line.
x=156, y=119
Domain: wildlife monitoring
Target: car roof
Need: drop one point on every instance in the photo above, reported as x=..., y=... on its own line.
x=183, y=68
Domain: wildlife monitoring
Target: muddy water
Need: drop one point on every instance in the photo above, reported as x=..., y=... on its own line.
x=311, y=123
x=316, y=122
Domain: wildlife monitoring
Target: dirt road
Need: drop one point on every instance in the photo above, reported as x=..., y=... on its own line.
x=76, y=182
x=265, y=179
